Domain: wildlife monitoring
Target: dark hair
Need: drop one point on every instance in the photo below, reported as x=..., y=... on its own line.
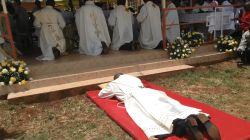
x=121, y=2
x=117, y=75
x=50, y=2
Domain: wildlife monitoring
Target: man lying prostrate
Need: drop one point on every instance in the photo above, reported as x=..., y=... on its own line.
x=158, y=115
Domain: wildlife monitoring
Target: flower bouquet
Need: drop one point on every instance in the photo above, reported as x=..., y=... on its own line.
x=179, y=50
x=13, y=73
x=226, y=44
x=193, y=39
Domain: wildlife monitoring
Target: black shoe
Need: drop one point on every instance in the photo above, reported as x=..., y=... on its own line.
x=105, y=49
x=192, y=130
x=56, y=52
x=208, y=127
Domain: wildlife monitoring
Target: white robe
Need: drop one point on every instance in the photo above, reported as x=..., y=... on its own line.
x=230, y=11
x=92, y=29
x=150, y=19
x=150, y=109
x=172, y=32
x=121, y=20
x=51, y=23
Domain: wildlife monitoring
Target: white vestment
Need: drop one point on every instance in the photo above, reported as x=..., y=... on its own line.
x=229, y=11
x=121, y=20
x=172, y=31
x=51, y=23
x=150, y=19
x=151, y=110
x=92, y=29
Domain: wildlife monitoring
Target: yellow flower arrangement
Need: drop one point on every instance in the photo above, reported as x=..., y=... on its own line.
x=194, y=39
x=13, y=72
x=226, y=44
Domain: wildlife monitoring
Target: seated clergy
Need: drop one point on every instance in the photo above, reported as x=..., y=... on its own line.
x=157, y=114
x=150, y=19
x=121, y=20
x=244, y=46
x=51, y=39
x=92, y=29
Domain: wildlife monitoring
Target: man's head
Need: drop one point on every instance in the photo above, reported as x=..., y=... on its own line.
x=117, y=75
x=121, y=2
x=50, y=3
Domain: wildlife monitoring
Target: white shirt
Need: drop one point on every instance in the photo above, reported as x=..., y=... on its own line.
x=92, y=29
x=121, y=20
x=150, y=19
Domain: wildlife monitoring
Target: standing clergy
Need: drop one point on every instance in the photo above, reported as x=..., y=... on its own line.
x=92, y=29
x=154, y=112
x=121, y=20
x=51, y=22
x=150, y=20
x=172, y=31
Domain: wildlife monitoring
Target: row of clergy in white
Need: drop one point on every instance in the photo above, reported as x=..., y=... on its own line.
x=93, y=30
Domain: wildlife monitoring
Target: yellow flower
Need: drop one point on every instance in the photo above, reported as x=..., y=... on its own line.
x=4, y=64
x=13, y=79
x=12, y=69
x=20, y=69
x=23, y=82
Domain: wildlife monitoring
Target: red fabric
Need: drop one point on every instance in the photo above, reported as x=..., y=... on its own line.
x=231, y=128
x=245, y=19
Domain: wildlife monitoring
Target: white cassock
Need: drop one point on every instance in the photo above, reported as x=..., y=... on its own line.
x=51, y=23
x=151, y=110
x=150, y=20
x=92, y=29
x=172, y=32
x=229, y=11
x=121, y=19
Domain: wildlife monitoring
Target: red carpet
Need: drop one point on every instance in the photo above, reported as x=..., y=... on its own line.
x=231, y=128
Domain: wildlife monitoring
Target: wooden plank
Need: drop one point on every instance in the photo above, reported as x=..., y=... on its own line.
x=61, y=87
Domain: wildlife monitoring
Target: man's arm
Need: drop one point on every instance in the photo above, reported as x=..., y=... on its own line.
x=106, y=92
x=112, y=18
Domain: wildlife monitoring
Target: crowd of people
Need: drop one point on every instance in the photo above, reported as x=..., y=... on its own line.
x=94, y=27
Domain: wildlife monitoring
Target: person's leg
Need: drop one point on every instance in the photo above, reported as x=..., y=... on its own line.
x=247, y=55
x=205, y=125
